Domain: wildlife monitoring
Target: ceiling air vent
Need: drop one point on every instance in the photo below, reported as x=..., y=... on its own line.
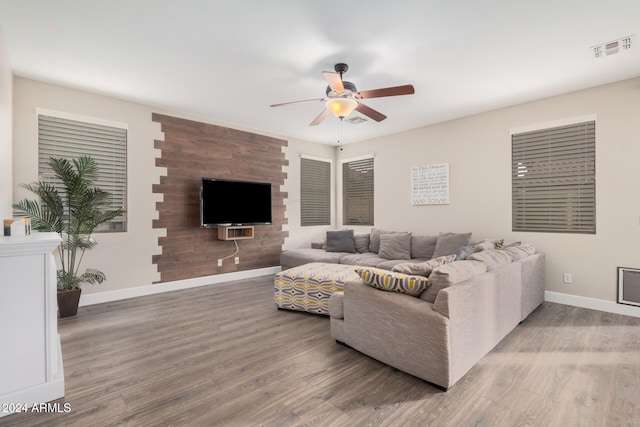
x=354, y=120
x=613, y=47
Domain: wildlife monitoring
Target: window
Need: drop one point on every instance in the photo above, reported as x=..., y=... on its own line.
x=315, y=192
x=553, y=179
x=357, y=192
x=61, y=137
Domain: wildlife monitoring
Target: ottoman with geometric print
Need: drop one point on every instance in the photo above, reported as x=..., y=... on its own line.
x=309, y=286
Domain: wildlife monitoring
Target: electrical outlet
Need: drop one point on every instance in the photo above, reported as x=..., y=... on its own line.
x=567, y=278
x=219, y=263
x=237, y=260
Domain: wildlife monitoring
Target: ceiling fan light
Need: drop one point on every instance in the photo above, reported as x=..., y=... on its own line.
x=341, y=107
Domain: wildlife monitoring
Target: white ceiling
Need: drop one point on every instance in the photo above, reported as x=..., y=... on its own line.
x=227, y=61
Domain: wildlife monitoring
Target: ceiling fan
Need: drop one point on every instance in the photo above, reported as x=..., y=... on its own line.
x=342, y=97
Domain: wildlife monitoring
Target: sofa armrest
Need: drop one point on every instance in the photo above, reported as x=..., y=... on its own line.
x=336, y=305
x=399, y=330
x=481, y=312
x=533, y=282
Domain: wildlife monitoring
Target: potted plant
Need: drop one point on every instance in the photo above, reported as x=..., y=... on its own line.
x=73, y=209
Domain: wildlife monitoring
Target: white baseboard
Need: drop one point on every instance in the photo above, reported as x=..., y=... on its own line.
x=592, y=303
x=139, y=291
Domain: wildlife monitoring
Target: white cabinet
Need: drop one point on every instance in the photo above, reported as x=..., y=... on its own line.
x=30, y=358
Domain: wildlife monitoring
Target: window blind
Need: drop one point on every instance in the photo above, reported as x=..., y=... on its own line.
x=315, y=192
x=59, y=137
x=553, y=179
x=357, y=192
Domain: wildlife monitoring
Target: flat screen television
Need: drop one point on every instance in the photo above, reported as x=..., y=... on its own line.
x=226, y=202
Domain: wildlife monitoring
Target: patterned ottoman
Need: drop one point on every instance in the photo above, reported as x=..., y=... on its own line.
x=309, y=286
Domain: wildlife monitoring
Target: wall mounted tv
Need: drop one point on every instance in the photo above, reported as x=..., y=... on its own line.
x=226, y=202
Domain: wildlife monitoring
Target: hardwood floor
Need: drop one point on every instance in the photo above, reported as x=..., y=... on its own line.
x=222, y=355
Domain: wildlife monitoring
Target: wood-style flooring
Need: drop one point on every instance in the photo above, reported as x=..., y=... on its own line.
x=222, y=355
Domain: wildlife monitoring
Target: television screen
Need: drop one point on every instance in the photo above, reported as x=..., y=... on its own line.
x=227, y=202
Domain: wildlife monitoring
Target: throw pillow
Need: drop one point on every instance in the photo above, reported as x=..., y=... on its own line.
x=374, y=244
x=362, y=242
x=464, y=251
x=493, y=258
x=395, y=246
x=521, y=251
x=340, y=241
x=484, y=246
x=450, y=274
x=393, y=282
x=497, y=243
x=512, y=244
x=423, y=247
x=448, y=243
x=423, y=268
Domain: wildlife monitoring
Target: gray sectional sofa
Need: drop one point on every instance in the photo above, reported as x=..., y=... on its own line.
x=472, y=296
x=469, y=307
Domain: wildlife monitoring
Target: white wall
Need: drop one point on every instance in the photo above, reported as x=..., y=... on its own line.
x=6, y=121
x=478, y=151
x=125, y=258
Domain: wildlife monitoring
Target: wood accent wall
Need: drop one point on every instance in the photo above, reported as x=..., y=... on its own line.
x=192, y=150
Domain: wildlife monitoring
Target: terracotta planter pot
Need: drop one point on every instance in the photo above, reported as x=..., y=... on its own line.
x=68, y=302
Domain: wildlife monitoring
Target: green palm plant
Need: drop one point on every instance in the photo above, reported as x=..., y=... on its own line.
x=73, y=211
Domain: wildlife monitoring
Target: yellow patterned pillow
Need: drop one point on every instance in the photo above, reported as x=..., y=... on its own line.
x=393, y=282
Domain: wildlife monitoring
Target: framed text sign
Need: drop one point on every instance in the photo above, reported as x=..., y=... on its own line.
x=430, y=184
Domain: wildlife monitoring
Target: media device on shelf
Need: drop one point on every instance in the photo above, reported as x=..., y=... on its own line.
x=225, y=202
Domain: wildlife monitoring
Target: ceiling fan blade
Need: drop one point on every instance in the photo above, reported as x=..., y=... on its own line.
x=323, y=115
x=297, y=102
x=370, y=112
x=335, y=81
x=388, y=91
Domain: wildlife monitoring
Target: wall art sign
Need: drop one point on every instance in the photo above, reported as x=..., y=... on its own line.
x=430, y=184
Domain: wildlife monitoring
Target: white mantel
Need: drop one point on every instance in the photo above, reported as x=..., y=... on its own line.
x=31, y=369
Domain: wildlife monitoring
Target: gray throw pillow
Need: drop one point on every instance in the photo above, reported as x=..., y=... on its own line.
x=422, y=247
x=449, y=243
x=340, y=241
x=464, y=251
x=395, y=246
x=374, y=245
x=362, y=242
x=423, y=268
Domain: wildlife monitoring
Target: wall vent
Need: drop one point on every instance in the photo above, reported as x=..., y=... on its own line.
x=629, y=286
x=612, y=47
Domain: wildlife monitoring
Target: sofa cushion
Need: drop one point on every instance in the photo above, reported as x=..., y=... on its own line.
x=388, y=264
x=448, y=243
x=423, y=246
x=393, y=282
x=395, y=246
x=340, y=241
x=423, y=268
x=450, y=274
x=492, y=258
x=367, y=259
x=520, y=251
x=362, y=242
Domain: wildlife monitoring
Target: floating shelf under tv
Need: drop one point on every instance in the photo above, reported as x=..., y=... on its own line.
x=235, y=232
